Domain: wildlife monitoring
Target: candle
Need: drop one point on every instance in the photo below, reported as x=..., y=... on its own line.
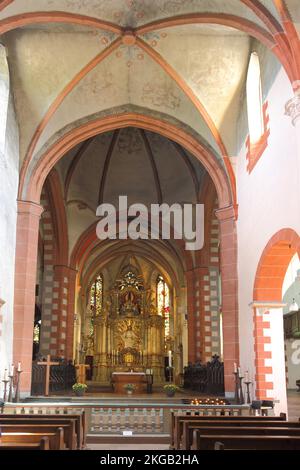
x=12, y=367
x=19, y=366
x=5, y=375
x=239, y=372
x=170, y=358
x=246, y=376
x=235, y=368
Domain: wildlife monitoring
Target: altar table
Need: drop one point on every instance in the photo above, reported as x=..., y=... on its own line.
x=119, y=379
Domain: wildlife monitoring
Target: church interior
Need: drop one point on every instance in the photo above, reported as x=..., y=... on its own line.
x=107, y=343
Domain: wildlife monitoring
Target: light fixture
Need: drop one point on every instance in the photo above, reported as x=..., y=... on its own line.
x=294, y=306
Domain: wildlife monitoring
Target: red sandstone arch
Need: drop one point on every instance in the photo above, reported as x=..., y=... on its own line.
x=58, y=212
x=273, y=265
x=35, y=179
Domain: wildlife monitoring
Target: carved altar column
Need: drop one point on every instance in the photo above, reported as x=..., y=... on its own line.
x=100, y=325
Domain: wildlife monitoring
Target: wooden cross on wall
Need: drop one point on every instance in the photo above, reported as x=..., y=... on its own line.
x=47, y=364
x=81, y=372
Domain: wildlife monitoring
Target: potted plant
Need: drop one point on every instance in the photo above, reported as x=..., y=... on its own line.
x=170, y=389
x=129, y=388
x=79, y=389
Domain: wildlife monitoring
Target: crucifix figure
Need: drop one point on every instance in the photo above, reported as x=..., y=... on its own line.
x=48, y=364
x=81, y=372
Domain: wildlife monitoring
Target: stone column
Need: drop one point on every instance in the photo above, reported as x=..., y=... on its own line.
x=191, y=317
x=71, y=312
x=25, y=278
x=62, y=325
x=270, y=375
x=101, y=348
x=229, y=280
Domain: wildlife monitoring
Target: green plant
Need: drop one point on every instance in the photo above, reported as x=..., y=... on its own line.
x=171, y=388
x=78, y=387
x=129, y=387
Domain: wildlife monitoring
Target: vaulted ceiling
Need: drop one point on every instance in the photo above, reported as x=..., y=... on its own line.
x=187, y=59
x=142, y=165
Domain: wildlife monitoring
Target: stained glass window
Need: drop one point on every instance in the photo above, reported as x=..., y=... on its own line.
x=163, y=302
x=96, y=296
x=36, y=333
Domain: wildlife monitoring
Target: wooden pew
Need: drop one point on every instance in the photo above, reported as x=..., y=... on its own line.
x=44, y=444
x=56, y=438
x=261, y=429
x=248, y=442
x=68, y=428
x=188, y=427
x=178, y=419
x=79, y=418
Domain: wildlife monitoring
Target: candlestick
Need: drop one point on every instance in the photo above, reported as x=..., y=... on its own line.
x=19, y=367
x=248, y=398
x=10, y=394
x=5, y=382
x=236, y=392
x=17, y=395
x=241, y=396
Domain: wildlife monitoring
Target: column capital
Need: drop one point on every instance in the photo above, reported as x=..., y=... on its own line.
x=225, y=213
x=28, y=207
x=292, y=107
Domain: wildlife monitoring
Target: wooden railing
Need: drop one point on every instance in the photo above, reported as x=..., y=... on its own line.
x=292, y=325
x=113, y=419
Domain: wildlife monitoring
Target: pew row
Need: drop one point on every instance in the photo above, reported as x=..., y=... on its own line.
x=249, y=442
x=177, y=421
x=44, y=444
x=292, y=428
x=55, y=438
x=58, y=419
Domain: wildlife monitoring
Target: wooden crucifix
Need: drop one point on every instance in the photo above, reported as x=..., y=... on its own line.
x=81, y=372
x=47, y=364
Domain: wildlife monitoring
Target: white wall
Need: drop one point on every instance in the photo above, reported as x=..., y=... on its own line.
x=268, y=201
x=277, y=362
x=292, y=346
x=9, y=163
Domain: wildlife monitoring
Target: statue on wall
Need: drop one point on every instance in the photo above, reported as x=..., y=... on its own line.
x=129, y=337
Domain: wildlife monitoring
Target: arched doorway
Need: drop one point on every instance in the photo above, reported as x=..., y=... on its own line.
x=268, y=305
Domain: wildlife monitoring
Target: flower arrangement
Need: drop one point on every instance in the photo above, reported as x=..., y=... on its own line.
x=170, y=389
x=129, y=387
x=79, y=388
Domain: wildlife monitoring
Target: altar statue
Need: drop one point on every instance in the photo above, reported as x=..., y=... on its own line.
x=129, y=338
x=129, y=306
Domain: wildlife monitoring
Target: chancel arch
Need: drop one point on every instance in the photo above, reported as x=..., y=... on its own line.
x=85, y=336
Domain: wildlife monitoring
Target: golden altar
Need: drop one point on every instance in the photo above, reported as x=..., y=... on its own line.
x=129, y=333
